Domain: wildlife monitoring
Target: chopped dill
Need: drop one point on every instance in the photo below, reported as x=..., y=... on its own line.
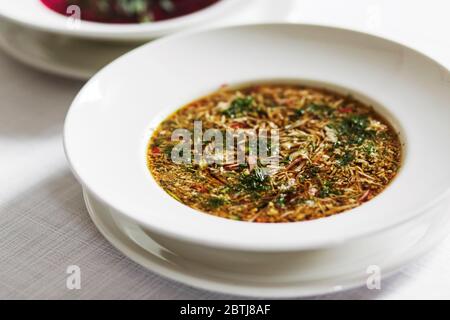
x=239, y=107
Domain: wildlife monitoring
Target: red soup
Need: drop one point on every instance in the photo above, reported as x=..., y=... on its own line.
x=128, y=11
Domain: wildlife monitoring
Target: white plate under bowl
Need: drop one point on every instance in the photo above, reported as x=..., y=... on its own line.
x=58, y=54
x=135, y=243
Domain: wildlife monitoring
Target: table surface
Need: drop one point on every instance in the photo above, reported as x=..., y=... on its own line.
x=44, y=226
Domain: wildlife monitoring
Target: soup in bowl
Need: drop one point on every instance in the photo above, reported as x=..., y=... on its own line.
x=116, y=20
x=360, y=168
x=131, y=11
x=274, y=153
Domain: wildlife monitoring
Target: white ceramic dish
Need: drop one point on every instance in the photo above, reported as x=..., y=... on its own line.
x=66, y=53
x=58, y=54
x=33, y=14
x=109, y=124
x=135, y=243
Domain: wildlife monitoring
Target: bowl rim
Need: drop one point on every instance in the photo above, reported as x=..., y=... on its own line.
x=237, y=245
x=44, y=19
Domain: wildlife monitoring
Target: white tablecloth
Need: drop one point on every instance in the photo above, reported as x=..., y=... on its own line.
x=44, y=226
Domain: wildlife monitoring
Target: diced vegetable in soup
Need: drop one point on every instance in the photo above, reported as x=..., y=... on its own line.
x=128, y=11
x=280, y=153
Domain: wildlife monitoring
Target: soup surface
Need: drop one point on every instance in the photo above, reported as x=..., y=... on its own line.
x=329, y=153
x=129, y=11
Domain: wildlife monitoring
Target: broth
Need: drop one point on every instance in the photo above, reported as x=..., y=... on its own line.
x=333, y=154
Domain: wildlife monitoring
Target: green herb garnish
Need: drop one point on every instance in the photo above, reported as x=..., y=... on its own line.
x=353, y=129
x=328, y=190
x=215, y=202
x=255, y=181
x=346, y=158
x=281, y=200
x=239, y=107
x=320, y=110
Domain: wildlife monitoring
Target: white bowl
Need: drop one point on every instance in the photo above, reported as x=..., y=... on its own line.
x=49, y=42
x=33, y=14
x=110, y=122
